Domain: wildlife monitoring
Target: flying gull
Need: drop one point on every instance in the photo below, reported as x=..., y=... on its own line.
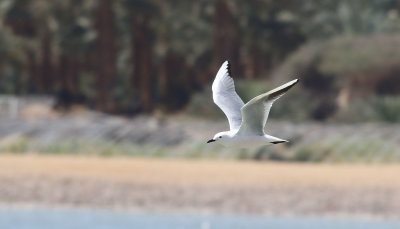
x=246, y=121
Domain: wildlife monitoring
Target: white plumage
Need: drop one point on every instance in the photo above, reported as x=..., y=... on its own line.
x=225, y=96
x=246, y=121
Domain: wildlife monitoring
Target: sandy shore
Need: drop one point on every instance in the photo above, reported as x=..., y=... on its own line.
x=201, y=186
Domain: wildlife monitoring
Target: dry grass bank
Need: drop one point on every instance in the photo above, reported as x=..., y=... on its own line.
x=201, y=172
x=201, y=186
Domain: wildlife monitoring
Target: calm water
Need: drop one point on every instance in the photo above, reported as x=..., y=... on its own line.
x=86, y=219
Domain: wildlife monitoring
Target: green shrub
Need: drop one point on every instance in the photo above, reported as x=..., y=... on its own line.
x=388, y=108
x=361, y=110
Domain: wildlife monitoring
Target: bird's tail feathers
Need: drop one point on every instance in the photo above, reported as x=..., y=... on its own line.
x=275, y=140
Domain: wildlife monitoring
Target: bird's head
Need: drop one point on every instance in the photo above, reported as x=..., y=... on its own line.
x=219, y=137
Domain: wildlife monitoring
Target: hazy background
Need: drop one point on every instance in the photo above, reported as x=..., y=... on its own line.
x=133, y=78
x=131, y=57
x=156, y=60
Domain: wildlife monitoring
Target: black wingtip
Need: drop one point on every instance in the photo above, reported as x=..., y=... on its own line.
x=228, y=67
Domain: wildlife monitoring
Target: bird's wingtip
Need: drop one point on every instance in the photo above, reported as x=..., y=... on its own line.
x=228, y=67
x=293, y=82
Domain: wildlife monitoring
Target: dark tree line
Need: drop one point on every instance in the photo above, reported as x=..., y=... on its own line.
x=129, y=56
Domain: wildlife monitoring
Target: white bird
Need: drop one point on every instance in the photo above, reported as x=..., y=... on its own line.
x=246, y=121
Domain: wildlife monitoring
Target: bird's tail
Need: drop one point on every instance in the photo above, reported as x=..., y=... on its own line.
x=275, y=140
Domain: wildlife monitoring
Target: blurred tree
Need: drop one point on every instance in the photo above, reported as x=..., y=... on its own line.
x=175, y=81
x=13, y=69
x=20, y=19
x=322, y=19
x=74, y=32
x=137, y=55
x=46, y=72
x=141, y=14
x=226, y=37
x=184, y=46
x=106, y=54
x=43, y=16
x=270, y=31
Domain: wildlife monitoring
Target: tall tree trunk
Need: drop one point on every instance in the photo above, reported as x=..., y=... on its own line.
x=142, y=46
x=68, y=71
x=106, y=55
x=45, y=82
x=226, y=38
x=32, y=71
x=66, y=80
x=254, y=66
x=175, y=81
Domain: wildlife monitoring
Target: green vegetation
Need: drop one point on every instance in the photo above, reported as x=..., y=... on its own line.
x=132, y=56
x=366, y=148
x=388, y=108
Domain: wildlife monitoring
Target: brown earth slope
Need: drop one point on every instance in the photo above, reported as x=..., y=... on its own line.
x=188, y=185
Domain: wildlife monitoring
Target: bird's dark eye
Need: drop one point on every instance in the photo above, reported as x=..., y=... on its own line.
x=220, y=136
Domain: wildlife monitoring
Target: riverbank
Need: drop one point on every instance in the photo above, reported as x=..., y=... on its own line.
x=172, y=136
x=201, y=186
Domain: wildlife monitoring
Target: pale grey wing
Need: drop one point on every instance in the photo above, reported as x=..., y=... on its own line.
x=225, y=96
x=255, y=112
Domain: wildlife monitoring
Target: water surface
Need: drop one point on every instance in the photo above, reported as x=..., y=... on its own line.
x=15, y=218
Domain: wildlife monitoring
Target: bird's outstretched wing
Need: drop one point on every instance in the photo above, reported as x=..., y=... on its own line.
x=225, y=96
x=255, y=112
